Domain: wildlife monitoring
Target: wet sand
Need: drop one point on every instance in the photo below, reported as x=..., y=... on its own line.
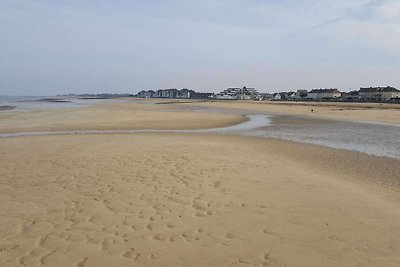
x=169, y=199
x=5, y=108
x=371, y=112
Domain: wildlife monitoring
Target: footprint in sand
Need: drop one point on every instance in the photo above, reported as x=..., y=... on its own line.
x=230, y=235
x=82, y=262
x=266, y=231
x=217, y=184
x=173, y=239
x=130, y=254
x=170, y=225
x=267, y=260
x=157, y=237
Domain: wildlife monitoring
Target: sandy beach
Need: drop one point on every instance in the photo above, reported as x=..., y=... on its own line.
x=110, y=116
x=371, y=112
x=170, y=199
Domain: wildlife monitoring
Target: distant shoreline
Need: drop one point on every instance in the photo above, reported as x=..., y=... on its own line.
x=4, y=108
x=54, y=100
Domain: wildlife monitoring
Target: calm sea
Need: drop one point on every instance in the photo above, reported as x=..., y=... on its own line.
x=9, y=100
x=26, y=103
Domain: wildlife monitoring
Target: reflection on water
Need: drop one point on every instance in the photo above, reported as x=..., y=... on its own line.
x=375, y=139
x=29, y=103
x=378, y=139
x=254, y=122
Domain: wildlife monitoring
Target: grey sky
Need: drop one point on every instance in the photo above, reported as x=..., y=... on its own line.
x=50, y=47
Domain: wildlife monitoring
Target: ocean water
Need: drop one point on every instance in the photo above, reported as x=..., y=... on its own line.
x=27, y=103
x=12, y=100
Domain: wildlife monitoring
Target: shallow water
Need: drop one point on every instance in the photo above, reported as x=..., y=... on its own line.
x=25, y=103
x=380, y=139
x=374, y=139
x=29, y=103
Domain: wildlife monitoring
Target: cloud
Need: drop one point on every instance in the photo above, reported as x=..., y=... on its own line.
x=379, y=30
x=390, y=12
x=200, y=44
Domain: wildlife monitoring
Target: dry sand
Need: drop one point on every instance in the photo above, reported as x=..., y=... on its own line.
x=193, y=200
x=111, y=116
x=372, y=112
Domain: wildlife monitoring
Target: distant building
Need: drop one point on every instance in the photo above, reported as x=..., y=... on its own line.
x=352, y=95
x=142, y=94
x=197, y=95
x=379, y=93
x=290, y=95
x=230, y=93
x=158, y=93
x=174, y=93
x=150, y=94
x=277, y=96
x=186, y=93
x=169, y=93
x=318, y=94
x=146, y=94
x=264, y=96
x=285, y=96
x=236, y=93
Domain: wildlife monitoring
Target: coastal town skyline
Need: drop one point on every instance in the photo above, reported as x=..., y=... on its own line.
x=201, y=90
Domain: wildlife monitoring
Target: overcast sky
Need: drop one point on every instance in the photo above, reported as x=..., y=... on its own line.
x=49, y=47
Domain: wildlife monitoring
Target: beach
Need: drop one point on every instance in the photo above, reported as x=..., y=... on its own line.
x=191, y=199
x=109, y=116
x=369, y=112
